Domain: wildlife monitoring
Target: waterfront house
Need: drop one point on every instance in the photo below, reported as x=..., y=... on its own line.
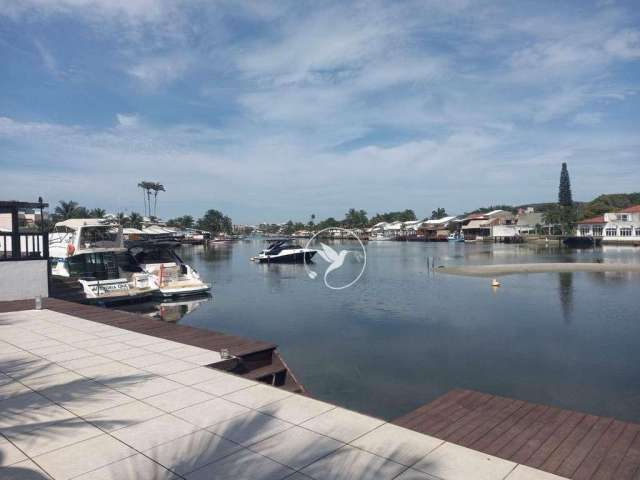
x=379, y=227
x=28, y=218
x=532, y=223
x=302, y=234
x=591, y=227
x=622, y=227
x=394, y=229
x=479, y=226
x=438, y=229
x=411, y=228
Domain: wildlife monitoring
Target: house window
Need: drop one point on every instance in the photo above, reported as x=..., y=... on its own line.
x=585, y=231
x=611, y=232
x=625, y=232
x=637, y=231
x=597, y=231
x=624, y=218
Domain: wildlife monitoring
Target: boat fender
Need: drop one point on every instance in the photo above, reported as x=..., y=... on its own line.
x=70, y=249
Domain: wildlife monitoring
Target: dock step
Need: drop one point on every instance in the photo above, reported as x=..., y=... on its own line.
x=292, y=387
x=275, y=368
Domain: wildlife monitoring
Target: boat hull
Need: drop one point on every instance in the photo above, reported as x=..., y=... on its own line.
x=579, y=242
x=168, y=292
x=298, y=257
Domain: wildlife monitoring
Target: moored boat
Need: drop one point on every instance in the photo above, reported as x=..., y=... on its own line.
x=170, y=273
x=579, y=242
x=221, y=239
x=455, y=237
x=378, y=237
x=89, y=252
x=282, y=251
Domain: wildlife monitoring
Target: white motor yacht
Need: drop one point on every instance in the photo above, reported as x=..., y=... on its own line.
x=172, y=276
x=87, y=251
x=283, y=252
x=455, y=237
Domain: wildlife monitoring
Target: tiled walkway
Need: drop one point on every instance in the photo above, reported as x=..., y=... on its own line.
x=84, y=400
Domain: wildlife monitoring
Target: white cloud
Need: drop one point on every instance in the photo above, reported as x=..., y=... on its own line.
x=49, y=61
x=191, y=160
x=127, y=120
x=158, y=71
x=587, y=118
x=624, y=45
x=120, y=10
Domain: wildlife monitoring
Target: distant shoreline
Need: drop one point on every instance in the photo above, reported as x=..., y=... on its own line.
x=511, y=269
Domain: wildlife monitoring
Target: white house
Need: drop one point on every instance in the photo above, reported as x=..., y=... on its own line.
x=411, y=227
x=480, y=226
x=613, y=227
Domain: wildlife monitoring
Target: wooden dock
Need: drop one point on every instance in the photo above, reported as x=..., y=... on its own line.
x=574, y=445
x=254, y=359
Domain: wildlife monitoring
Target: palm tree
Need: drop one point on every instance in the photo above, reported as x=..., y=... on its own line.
x=97, y=213
x=143, y=186
x=135, y=220
x=66, y=210
x=156, y=187
x=121, y=218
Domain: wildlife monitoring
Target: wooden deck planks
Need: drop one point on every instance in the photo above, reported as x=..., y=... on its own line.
x=599, y=451
x=570, y=444
x=506, y=440
x=571, y=463
x=616, y=453
x=630, y=463
x=480, y=425
x=527, y=435
x=485, y=442
x=431, y=407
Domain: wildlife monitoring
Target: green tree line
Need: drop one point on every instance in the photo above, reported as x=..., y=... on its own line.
x=212, y=221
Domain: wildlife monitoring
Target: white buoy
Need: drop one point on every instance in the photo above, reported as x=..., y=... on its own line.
x=495, y=283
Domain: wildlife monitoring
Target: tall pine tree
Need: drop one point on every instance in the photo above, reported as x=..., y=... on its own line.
x=567, y=212
x=564, y=194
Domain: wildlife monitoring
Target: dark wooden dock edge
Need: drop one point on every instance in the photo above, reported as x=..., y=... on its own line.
x=571, y=444
x=254, y=359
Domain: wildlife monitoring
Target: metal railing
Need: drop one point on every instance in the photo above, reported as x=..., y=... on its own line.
x=23, y=246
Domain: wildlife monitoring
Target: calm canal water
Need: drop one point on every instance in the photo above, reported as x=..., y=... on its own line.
x=405, y=334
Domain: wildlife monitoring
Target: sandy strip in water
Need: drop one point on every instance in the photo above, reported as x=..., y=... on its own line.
x=509, y=269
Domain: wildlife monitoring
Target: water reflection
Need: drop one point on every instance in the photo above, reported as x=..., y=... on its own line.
x=565, y=289
x=218, y=252
x=168, y=310
x=277, y=275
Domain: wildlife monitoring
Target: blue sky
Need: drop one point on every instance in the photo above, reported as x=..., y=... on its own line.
x=272, y=111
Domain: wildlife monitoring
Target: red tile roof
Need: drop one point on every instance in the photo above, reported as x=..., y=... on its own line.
x=599, y=219
x=634, y=209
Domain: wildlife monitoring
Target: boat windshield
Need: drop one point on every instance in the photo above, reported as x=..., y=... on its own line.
x=97, y=237
x=128, y=263
x=156, y=255
x=278, y=247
